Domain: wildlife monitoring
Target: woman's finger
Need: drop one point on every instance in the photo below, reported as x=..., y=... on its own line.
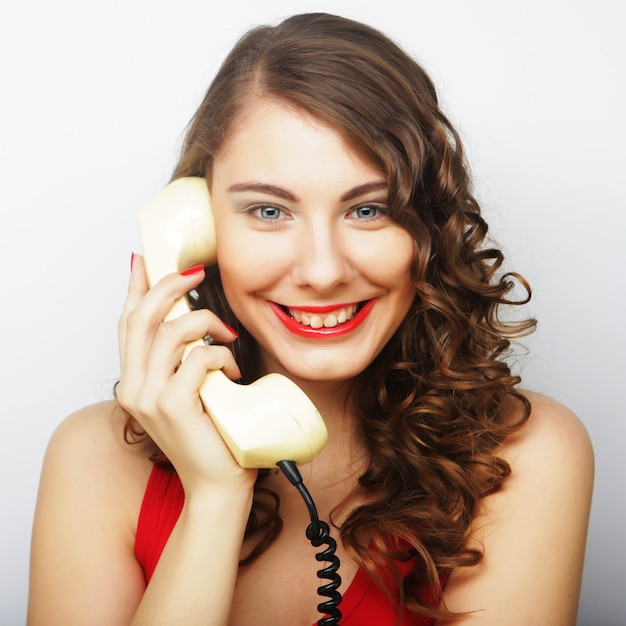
x=172, y=337
x=144, y=311
x=137, y=289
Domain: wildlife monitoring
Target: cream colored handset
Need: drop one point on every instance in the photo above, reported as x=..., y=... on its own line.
x=268, y=421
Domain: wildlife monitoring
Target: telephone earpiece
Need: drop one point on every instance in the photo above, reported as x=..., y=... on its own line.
x=177, y=231
x=270, y=420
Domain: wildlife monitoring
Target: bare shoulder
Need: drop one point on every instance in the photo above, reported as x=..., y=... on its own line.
x=96, y=424
x=98, y=428
x=88, y=451
x=90, y=493
x=91, y=442
x=552, y=469
x=553, y=438
x=532, y=533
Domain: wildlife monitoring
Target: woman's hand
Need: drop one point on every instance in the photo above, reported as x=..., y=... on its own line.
x=161, y=393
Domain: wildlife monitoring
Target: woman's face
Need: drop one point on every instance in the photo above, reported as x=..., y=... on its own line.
x=311, y=264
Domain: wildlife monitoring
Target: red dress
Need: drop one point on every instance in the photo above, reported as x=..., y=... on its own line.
x=363, y=602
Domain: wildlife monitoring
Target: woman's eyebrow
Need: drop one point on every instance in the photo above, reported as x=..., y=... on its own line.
x=264, y=188
x=361, y=190
x=279, y=192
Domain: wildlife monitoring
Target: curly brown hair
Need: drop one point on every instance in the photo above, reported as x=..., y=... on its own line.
x=436, y=404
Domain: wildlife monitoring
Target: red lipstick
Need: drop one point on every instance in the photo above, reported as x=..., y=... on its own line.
x=322, y=333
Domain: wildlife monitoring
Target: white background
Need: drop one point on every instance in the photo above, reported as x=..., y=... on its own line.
x=95, y=97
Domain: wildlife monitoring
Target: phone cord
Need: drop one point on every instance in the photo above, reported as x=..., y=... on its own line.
x=318, y=533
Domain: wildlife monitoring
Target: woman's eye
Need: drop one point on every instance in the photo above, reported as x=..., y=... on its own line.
x=368, y=212
x=268, y=212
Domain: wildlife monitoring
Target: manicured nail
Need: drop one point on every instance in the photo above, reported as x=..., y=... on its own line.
x=192, y=270
x=232, y=330
x=132, y=260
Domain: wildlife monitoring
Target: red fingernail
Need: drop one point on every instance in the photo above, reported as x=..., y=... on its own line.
x=192, y=270
x=232, y=330
x=132, y=260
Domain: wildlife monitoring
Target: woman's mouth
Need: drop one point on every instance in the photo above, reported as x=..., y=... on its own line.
x=323, y=321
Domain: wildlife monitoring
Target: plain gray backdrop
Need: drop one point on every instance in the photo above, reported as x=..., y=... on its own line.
x=95, y=97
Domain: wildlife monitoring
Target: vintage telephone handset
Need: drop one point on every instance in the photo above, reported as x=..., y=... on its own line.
x=268, y=423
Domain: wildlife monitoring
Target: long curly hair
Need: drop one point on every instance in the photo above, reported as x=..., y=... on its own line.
x=438, y=401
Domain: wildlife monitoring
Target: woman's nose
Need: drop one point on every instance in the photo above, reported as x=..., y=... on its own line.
x=321, y=261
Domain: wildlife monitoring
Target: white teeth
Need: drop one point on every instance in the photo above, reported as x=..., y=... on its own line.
x=330, y=320
x=316, y=321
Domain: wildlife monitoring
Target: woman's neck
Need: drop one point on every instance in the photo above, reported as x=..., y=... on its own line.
x=344, y=457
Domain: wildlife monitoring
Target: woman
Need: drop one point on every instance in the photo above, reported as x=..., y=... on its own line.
x=352, y=258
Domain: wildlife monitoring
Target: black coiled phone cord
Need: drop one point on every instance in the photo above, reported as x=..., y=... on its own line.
x=318, y=533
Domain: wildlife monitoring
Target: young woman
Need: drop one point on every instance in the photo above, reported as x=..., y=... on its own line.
x=352, y=258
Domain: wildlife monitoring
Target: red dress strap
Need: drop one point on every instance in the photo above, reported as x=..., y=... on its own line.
x=363, y=602
x=162, y=504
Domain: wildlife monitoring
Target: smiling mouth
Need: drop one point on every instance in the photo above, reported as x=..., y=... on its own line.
x=324, y=321
x=319, y=317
